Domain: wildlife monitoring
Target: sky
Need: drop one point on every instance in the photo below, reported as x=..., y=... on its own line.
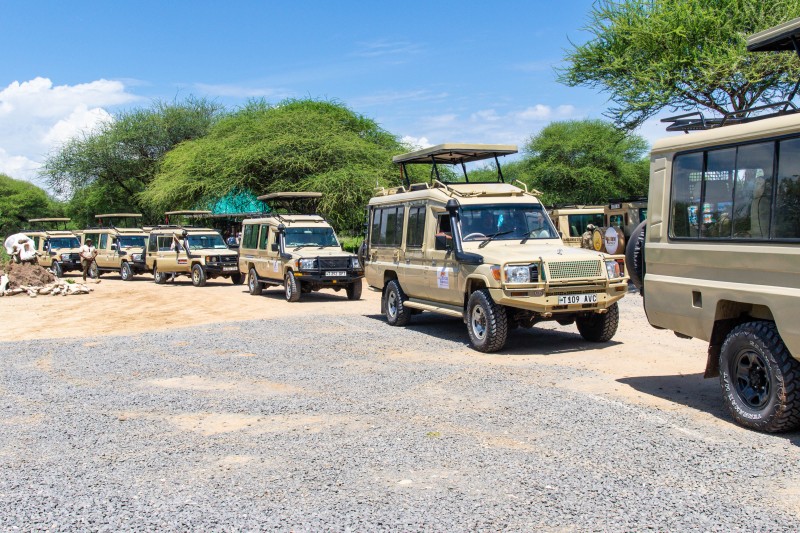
x=429, y=72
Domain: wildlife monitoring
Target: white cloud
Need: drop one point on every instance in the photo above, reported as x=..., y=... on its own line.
x=514, y=126
x=37, y=116
x=416, y=143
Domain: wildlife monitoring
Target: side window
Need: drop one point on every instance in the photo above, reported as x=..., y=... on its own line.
x=616, y=220
x=151, y=246
x=387, y=226
x=101, y=244
x=752, y=198
x=578, y=223
x=786, y=221
x=718, y=193
x=250, y=236
x=262, y=239
x=164, y=242
x=687, y=171
x=36, y=242
x=416, y=227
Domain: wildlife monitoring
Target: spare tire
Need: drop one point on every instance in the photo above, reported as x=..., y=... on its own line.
x=634, y=256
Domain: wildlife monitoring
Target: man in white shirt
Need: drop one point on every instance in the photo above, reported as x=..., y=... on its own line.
x=88, y=253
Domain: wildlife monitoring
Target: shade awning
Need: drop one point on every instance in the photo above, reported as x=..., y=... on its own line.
x=776, y=39
x=452, y=154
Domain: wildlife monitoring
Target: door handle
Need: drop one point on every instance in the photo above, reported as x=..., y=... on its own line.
x=433, y=263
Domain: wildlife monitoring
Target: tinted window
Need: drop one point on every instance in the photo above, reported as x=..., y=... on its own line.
x=416, y=227
x=262, y=241
x=752, y=197
x=101, y=244
x=786, y=223
x=250, y=236
x=578, y=223
x=387, y=226
x=319, y=237
x=717, y=204
x=687, y=171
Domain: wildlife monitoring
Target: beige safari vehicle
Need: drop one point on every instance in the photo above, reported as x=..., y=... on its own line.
x=57, y=249
x=193, y=251
x=299, y=251
x=718, y=258
x=571, y=221
x=119, y=249
x=483, y=252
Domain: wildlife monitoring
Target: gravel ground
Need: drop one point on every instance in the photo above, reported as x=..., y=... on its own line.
x=349, y=424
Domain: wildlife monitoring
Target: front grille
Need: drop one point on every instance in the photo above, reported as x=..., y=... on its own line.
x=334, y=263
x=577, y=290
x=228, y=259
x=72, y=258
x=574, y=269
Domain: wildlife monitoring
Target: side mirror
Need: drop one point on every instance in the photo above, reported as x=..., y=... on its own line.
x=443, y=242
x=561, y=234
x=274, y=247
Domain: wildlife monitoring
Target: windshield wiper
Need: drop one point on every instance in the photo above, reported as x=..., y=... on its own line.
x=492, y=236
x=298, y=247
x=527, y=235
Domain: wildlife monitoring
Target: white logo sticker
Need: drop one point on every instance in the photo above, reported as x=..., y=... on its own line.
x=443, y=278
x=275, y=266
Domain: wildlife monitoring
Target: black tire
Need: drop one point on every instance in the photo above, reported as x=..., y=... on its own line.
x=487, y=322
x=354, y=290
x=198, y=275
x=159, y=277
x=634, y=256
x=396, y=313
x=599, y=327
x=125, y=272
x=253, y=285
x=58, y=270
x=290, y=289
x=237, y=278
x=94, y=271
x=760, y=379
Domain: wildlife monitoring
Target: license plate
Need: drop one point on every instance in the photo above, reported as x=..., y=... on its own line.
x=230, y=268
x=577, y=299
x=335, y=274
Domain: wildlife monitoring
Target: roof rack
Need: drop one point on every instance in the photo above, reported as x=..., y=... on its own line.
x=452, y=154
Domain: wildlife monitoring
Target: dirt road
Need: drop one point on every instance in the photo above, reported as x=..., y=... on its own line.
x=642, y=364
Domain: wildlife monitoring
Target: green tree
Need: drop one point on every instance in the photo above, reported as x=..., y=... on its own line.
x=104, y=170
x=296, y=145
x=20, y=201
x=586, y=162
x=684, y=55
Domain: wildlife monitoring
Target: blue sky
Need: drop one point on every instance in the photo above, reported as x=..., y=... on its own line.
x=431, y=72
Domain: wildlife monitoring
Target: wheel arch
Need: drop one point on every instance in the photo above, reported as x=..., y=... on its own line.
x=389, y=275
x=727, y=316
x=473, y=284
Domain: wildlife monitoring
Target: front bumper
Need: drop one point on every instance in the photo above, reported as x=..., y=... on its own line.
x=222, y=269
x=322, y=278
x=544, y=300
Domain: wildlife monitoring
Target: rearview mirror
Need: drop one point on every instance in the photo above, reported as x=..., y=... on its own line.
x=274, y=246
x=443, y=242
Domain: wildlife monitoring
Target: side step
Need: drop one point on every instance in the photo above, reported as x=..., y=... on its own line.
x=444, y=309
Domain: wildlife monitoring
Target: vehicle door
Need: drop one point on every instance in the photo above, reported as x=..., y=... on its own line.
x=386, y=239
x=272, y=265
x=166, y=254
x=414, y=260
x=442, y=270
x=105, y=255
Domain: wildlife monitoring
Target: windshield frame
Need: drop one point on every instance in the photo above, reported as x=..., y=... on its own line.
x=75, y=242
x=498, y=226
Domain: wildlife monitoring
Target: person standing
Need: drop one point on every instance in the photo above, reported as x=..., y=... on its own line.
x=88, y=253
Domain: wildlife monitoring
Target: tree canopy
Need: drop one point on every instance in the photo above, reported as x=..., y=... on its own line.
x=586, y=162
x=105, y=169
x=295, y=145
x=684, y=55
x=20, y=201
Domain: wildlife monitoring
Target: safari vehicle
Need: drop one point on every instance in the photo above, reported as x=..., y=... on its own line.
x=572, y=221
x=299, y=251
x=57, y=249
x=484, y=252
x=718, y=258
x=182, y=249
x=625, y=214
x=119, y=249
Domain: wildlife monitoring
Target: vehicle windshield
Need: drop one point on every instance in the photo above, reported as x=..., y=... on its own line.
x=210, y=241
x=507, y=222
x=129, y=241
x=56, y=243
x=309, y=237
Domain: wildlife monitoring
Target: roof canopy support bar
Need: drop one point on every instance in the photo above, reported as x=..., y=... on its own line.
x=404, y=178
x=499, y=171
x=464, y=169
x=435, y=169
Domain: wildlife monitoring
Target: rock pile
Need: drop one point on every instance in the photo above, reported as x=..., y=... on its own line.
x=33, y=280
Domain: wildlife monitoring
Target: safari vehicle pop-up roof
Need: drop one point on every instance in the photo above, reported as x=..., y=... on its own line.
x=452, y=154
x=48, y=224
x=128, y=220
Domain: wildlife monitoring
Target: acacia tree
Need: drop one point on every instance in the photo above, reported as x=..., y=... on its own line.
x=104, y=170
x=20, y=201
x=684, y=55
x=296, y=145
x=586, y=162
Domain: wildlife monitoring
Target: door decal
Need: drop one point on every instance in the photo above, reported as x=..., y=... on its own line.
x=443, y=277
